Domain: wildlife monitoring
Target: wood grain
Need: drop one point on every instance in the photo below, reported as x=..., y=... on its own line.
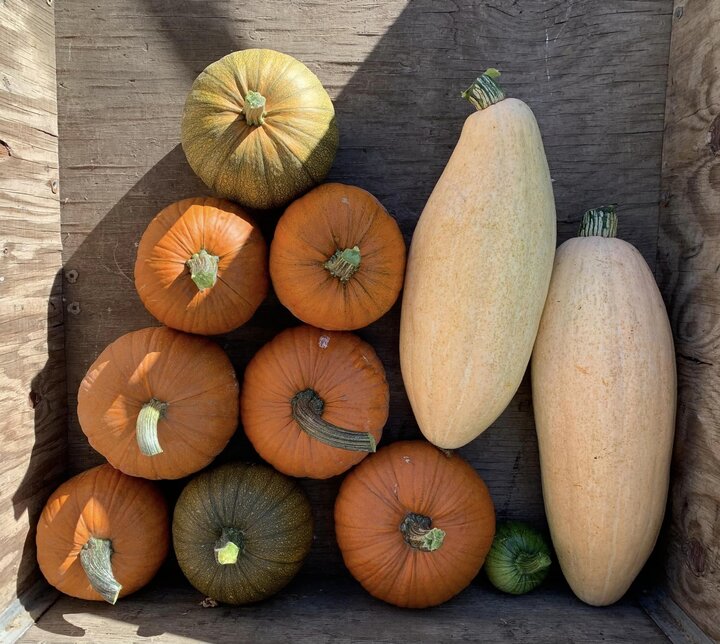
x=32, y=372
x=594, y=73
x=313, y=612
x=689, y=273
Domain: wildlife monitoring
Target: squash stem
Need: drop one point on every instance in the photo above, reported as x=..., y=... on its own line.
x=307, y=409
x=485, y=90
x=417, y=532
x=529, y=564
x=95, y=559
x=599, y=222
x=254, y=108
x=344, y=263
x=230, y=544
x=146, y=426
x=203, y=269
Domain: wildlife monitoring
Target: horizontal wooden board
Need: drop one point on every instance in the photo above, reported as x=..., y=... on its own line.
x=689, y=273
x=32, y=371
x=594, y=73
x=339, y=611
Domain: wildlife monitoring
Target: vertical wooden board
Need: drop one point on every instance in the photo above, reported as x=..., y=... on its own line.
x=689, y=273
x=594, y=73
x=32, y=371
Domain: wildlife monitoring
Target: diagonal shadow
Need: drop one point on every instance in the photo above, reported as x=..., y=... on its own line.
x=400, y=116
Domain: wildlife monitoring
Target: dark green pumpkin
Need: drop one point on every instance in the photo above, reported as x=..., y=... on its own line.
x=259, y=128
x=241, y=532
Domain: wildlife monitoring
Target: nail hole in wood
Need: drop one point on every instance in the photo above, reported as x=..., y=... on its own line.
x=54, y=186
x=74, y=308
x=679, y=12
x=72, y=276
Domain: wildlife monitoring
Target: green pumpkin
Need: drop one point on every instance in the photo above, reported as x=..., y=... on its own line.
x=241, y=532
x=259, y=128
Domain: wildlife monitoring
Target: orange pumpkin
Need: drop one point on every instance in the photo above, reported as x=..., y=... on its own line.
x=314, y=403
x=414, y=524
x=102, y=535
x=338, y=258
x=201, y=266
x=158, y=403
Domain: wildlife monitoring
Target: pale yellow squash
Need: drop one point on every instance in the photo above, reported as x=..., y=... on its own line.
x=604, y=390
x=478, y=272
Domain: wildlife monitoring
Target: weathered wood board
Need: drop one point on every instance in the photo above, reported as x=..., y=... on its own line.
x=339, y=611
x=32, y=371
x=594, y=73
x=689, y=274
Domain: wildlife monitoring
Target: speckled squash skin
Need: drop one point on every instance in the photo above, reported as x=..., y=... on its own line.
x=604, y=396
x=477, y=275
x=263, y=165
x=272, y=515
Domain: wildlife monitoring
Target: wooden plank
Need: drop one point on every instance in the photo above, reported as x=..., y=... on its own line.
x=21, y=614
x=341, y=611
x=32, y=372
x=593, y=72
x=672, y=620
x=689, y=273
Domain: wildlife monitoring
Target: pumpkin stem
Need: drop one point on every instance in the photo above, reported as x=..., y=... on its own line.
x=146, y=426
x=344, y=263
x=417, y=532
x=307, y=409
x=599, y=222
x=485, y=90
x=254, y=108
x=531, y=563
x=229, y=546
x=95, y=558
x=203, y=269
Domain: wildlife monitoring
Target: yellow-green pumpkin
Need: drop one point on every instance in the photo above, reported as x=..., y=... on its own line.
x=259, y=128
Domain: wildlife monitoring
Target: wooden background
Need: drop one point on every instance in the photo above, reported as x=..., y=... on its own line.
x=689, y=274
x=32, y=372
x=593, y=72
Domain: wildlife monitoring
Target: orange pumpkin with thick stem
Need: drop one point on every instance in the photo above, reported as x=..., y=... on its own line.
x=414, y=524
x=314, y=402
x=158, y=403
x=202, y=266
x=337, y=259
x=102, y=535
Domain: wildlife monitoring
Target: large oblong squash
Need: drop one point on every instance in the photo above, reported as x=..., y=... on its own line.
x=478, y=271
x=604, y=391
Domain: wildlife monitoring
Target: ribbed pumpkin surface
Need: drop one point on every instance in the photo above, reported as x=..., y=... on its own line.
x=163, y=279
x=346, y=375
x=331, y=219
x=106, y=504
x=192, y=375
x=265, y=165
x=271, y=516
x=376, y=497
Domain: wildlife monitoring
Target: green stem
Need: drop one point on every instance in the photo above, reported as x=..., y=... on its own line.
x=146, y=426
x=203, y=269
x=344, y=263
x=485, y=90
x=95, y=559
x=417, y=532
x=529, y=564
x=229, y=546
x=307, y=409
x=599, y=222
x=254, y=108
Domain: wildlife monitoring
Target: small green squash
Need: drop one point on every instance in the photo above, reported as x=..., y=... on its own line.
x=241, y=532
x=259, y=128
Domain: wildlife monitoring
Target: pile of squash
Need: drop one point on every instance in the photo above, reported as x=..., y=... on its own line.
x=485, y=292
